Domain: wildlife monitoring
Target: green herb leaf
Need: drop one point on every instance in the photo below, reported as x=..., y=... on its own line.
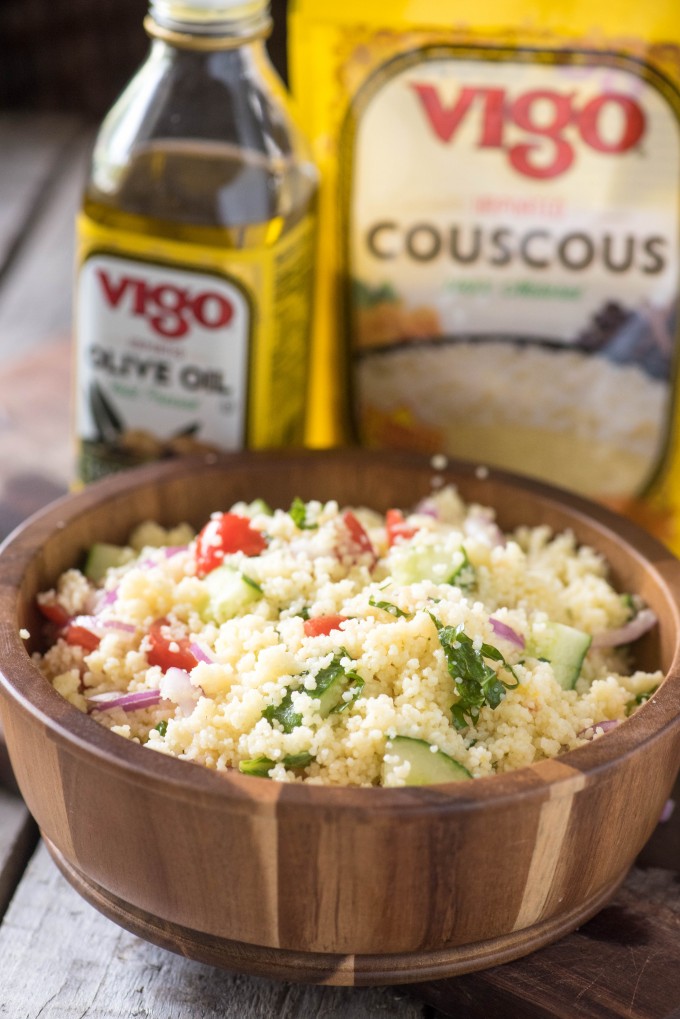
x=333, y=682
x=464, y=575
x=252, y=583
x=258, y=766
x=388, y=606
x=640, y=699
x=261, y=766
x=300, y=760
x=298, y=514
x=475, y=683
x=162, y=727
x=284, y=713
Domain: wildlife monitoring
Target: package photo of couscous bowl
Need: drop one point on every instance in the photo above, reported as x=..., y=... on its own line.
x=336, y=645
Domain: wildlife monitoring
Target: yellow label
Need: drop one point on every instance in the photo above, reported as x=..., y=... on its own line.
x=500, y=253
x=184, y=347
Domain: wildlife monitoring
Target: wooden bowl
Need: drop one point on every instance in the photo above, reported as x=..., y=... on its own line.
x=334, y=885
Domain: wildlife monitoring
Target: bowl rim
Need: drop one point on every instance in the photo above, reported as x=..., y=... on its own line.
x=77, y=732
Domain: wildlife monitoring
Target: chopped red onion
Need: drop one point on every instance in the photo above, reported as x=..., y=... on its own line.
x=597, y=728
x=201, y=653
x=92, y=623
x=127, y=701
x=503, y=630
x=643, y=621
x=109, y=598
x=428, y=508
x=176, y=686
x=168, y=552
x=666, y=813
x=480, y=524
x=99, y=624
x=118, y=624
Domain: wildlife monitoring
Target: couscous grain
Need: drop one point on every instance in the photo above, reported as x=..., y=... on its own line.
x=315, y=644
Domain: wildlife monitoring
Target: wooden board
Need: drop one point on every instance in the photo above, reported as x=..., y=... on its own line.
x=624, y=962
x=32, y=149
x=42, y=172
x=18, y=836
x=34, y=409
x=62, y=958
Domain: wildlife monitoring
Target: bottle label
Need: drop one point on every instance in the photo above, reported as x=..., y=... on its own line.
x=513, y=260
x=183, y=349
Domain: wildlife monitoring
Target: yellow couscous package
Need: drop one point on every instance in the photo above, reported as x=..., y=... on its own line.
x=499, y=263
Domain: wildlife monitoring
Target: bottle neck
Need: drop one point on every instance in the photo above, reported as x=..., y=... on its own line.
x=210, y=26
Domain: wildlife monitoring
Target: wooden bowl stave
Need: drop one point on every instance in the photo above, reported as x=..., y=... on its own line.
x=340, y=885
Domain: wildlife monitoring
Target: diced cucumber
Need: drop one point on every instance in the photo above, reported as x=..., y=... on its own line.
x=102, y=557
x=331, y=685
x=259, y=507
x=261, y=766
x=564, y=647
x=229, y=592
x=412, y=563
x=428, y=766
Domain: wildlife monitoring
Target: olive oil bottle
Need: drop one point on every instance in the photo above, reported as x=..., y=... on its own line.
x=195, y=250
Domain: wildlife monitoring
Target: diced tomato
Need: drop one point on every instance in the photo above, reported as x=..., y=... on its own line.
x=322, y=625
x=81, y=637
x=359, y=539
x=167, y=651
x=397, y=528
x=61, y=624
x=55, y=612
x=223, y=535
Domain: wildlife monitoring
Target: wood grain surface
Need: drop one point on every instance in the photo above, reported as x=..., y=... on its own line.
x=60, y=958
x=623, y=963
x=18, y=837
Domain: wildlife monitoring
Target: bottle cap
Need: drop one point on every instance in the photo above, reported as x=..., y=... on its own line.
x=237, y=17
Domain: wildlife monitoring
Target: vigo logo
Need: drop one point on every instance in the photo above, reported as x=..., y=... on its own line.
x=170, y=310
x=611, y=123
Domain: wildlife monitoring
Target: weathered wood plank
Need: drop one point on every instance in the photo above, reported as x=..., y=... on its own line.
x=36, y=288
x=623, y=964
x=32, y=147
x=18, y=836
x=36, y=456
x=60, y=958
x=6, y=774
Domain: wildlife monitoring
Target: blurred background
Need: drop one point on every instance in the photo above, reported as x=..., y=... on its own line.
x=76, y=55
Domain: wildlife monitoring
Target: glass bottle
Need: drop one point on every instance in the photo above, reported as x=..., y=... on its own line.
x=195, y=249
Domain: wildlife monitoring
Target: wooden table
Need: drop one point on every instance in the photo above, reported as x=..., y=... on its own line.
x=58, y=956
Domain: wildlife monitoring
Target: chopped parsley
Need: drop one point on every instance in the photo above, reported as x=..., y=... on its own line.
x=252, y=583
x=388, y=606
x=475, y=683
x=261, y=766
x=640, y=699
x=464, y=575
x=298, y=514
x=333, y=682
x=284, y=713
x=162, y=727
